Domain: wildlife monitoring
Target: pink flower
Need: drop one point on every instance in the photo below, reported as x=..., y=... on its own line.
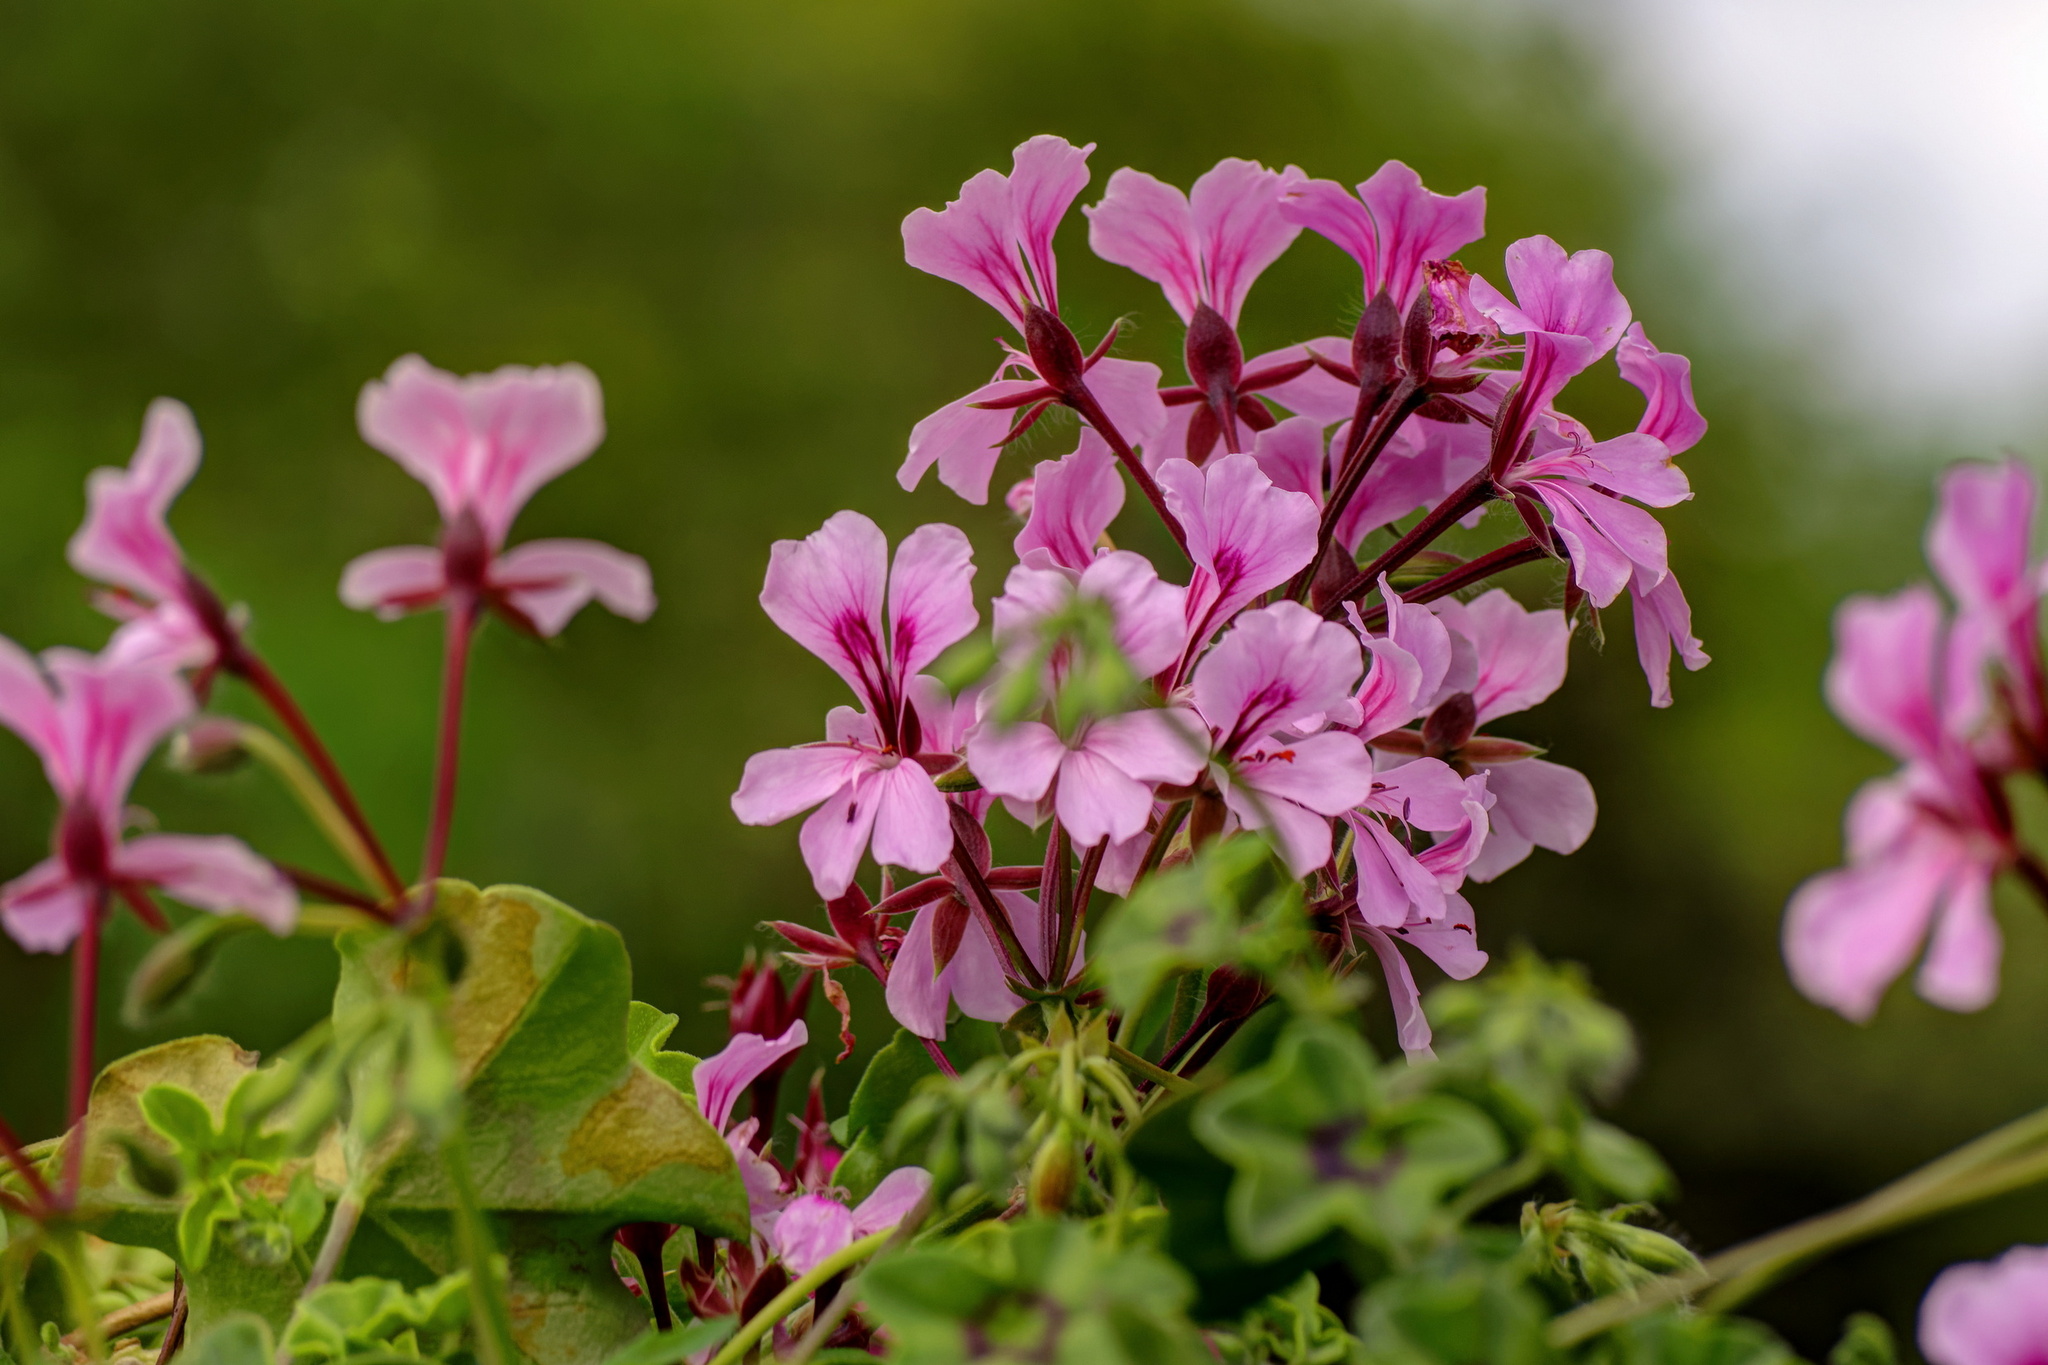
x=1568, y=313
x=1072, y=502
x=995, y=240
x=719, y=1081
x=93, y=722
x=1390, y=228
x=1423, y=462
x=1452, y=943
x=1245, y=536
x=815, y=1227
x=1204, y=250
x=1277, y=668
x=1663, y=624
x=483, y=445
x=827, y=593
x=948, y=957
x=1979, y=545
x=1923, y=844
x=170, y=617
x=1398, y=885
x=1665, y=380
x=1988, y=1312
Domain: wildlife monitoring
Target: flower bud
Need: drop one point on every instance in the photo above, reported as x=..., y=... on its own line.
x=1055, y=1172
x=210, y=744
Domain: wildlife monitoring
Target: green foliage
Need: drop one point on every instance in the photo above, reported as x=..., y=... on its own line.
x=1317, y=1145
x=892, y=1077
x=1601, y=1253
x=1866, y=1340
x=237, y=1339
x=647, y=1028
x=373, y=1319
x=1294, y=1328
x=1466, y=1304
x=227, y=1168
x=1226, y=906
x=668, y=1348
x=1073, y=1293
x=1676, y=1337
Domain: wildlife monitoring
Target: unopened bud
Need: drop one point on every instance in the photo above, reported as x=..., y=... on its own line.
x=1450, y=725
x=1375, y=350
x=171, y=967
x=210, y=744
x=1055, y=1172
x=1055, y=354
x=1213, y=354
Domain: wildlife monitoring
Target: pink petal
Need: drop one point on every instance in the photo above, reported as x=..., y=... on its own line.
x=1849, y=933
x=1411, y=1025
x=212, y=872
x=1413, y=225
x=1073, y=501
x=1046, y=173
x=167, y=637
x=1145, y=225
x=825, y=591
x=810, y=1230
x=1633, y=465
x=834, y=838
x=723, y=1077
x=1520, y=655
x=1607, y=537
x=43, y=910
x=1663, y=622
x=110, y=717
x=972, y=242
x=1167, y=744
x=1244, y=535
x=918, y=999
x=1315, y=392
x=1275, y=665
x=1881, y=679
x=912, y=827
x=1097, y=799
x=485, y=442
x=1151, y=615
x=1566, y=307
x=1961, y=970
x=124, y=540
x=395, y=581
x=931, y=596
x=1979, y=539
x=1242, y=231
x=1301, y=837
x=1291, y=454
x=892, y=1200
x=780, y=783
x=1665, y=380
x=1016, y=761
x=1424, y=792
x=1451, y=942
x=28, y=708
x=551, y=580
x=1394, y=888
x=964, y=440
x=1329, y=773
x=1988, y=1313
x=1544, y=803
x=1129, y=393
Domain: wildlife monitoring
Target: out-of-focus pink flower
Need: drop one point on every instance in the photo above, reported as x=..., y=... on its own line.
x=1390, y=228
x=1980, y=544
x=483, y=444
x=1568, y=314
x=815, y=1227
x=1204, y=248
x=948, y=957
x=1276, y=668
x=873, y=772
x=126, y=543
x=93, y=722
x=719, y=1081
x=1988, y=1312
x=1245, y=537
x=1923, y=844
x=995, y=241
x=1073, y=500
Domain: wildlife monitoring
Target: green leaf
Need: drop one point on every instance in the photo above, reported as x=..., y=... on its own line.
x=207, y=1207
x=647, y=1028
x=1683, y=1338
x=1315, y=1146
x=304, y=1209
x=1535, y=1035
x=667, y=1348
x=183, y=1117
x=1866, y=1340
x=1624, y=1166
x=237, y=1339
x=1192, y=918
x=1460, y=1307
x=175, y=963
x=892, y=1075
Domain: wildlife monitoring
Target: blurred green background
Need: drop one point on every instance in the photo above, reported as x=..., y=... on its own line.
x=255, y=207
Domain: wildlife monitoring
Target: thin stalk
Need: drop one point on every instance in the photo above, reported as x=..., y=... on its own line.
x=992, y=915
x=174, y=1335
x=1158, y=1075
x=462, y=619
x=1996, y=1163
x=10, y=1143
x=85, y=993
x=1358, y=462
x=1077, y=918
x=1054, y=884
x=1512, y=555
x=1091, y=411
x=66, y=1251
x=341, y=1230
x=787, y=1302
x=250, y=667
x=940, y=1059
x=487, y=1304
x=1475, y=493
x=1494, y=1185
x=128, y=1317
x=823, y=1324
x=327, y=816
x=313, y=884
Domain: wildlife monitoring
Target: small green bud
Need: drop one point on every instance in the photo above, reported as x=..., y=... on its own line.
x=1055, y=1172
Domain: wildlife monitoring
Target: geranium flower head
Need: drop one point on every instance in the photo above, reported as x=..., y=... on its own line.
x=1203, y=248
x=1988, y=1312
x=1390, y=228
x=483, y=445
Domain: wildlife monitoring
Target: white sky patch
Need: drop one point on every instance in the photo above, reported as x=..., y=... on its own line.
x=1875, y=169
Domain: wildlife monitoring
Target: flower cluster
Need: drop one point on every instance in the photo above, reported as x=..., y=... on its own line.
x=1316, y=677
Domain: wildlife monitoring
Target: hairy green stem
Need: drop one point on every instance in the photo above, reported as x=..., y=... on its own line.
x=479, y=1253
x=787, y=1302
x=1158, y=1075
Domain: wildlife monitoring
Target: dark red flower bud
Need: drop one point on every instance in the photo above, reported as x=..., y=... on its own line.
x=1055, y=354
x=1450, y=725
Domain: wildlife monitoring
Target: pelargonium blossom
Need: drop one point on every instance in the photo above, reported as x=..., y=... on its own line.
x=814, y=1227
x=168, y=615
x=1245, y=536
x=995, y=241
x=484, y=444
x=1979, y=544
x=1988, y=1312
x=719, y=1081
x=93, y=721
x=1390, y=228
x=1204, y=249
x=1275, y=668
x=877, y=625
x=1568, y=313
x=948, y=958
x=1072, y=503
x=1924, y=844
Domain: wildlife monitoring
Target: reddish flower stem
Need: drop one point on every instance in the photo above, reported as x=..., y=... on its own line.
x=462, y=620
x=26, y=1169
x=313, y=884
x=1077, y=916
x=1053, y=889
x=1477, y=491
x=1509, y=556
x=1359, y=459
x=940, y=1059
x=246, y=664
x=993, y=917
x=1083, y=402
x=85, y=993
